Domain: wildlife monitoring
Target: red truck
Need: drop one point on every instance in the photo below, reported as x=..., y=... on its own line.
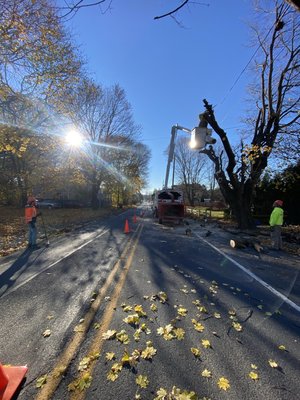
x=169, y=205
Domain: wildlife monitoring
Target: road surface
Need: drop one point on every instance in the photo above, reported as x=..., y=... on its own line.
x=150, y=313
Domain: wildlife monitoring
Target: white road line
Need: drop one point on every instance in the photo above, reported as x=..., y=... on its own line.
x=52, y=265
x=263, y=283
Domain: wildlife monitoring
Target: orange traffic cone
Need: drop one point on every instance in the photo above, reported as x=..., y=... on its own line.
x=134, y=219
x=10, y=379
x=126, y=228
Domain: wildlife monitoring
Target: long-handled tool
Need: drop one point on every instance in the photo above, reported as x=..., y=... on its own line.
x=47, y=240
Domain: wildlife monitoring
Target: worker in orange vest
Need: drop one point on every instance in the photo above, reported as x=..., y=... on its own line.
x=30, y=218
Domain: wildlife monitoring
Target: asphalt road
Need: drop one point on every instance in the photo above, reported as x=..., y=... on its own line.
x=244, y=306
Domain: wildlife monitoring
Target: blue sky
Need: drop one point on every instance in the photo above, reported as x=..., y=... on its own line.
x=166, y=70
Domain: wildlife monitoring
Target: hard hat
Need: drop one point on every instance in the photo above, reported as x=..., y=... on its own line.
x=31, y=199
x=278, y=203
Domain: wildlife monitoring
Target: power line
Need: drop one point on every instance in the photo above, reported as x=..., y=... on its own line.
x=244, y=69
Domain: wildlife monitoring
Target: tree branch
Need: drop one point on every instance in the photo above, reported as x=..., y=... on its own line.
x=170, y=13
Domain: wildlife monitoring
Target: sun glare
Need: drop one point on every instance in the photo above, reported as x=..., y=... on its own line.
x=73, y=139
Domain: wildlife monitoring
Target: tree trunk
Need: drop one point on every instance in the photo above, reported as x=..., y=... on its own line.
x=95, y=200
x=242, y=212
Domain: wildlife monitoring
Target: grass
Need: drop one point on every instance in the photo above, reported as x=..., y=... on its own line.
x=203, y=212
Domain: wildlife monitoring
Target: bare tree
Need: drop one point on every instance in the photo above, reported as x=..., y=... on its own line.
x=104, y=117
x=190, y=169
x=277, y=103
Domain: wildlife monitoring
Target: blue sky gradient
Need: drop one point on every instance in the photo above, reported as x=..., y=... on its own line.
x=167, y=69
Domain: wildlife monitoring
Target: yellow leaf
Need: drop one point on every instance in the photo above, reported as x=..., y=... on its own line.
x=112, y=376
x=84, y=363
x=148, y=353
x=282, y=347
x=84, y=382
x=137, y=335
x=253, y=375
x=96, y=325
x=142, y=381
x=182, y=311
x=126, y=308
x=162, y=297
x=132, y=319
x=206, y=373
x=46, y=333
x=161, y=394
x=217, y=315
x=153, y=307
x=179, y=333
x=223, y=383
x=40, y=382
x=139, y=310
x=253, y=366
x=273, y=364
x=198, y=326
x=117, y=367
x=110, y=334
x=206, y=343
x=196, y=351
x=123, y=337
x=110, y=356
x=237, y=326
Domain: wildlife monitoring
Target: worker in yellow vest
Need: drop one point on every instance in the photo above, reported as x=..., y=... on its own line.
x=30, y=218
x=276, y=222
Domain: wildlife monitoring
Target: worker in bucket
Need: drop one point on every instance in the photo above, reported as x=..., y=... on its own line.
x=276, y=221
x=30, y=218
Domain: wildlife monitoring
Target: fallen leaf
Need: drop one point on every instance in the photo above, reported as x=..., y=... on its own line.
x=153, y=307
x=198, y=326
x=40, y=382
x=273, y=364
x=282, y=347
x=206, y=373
x=253, y=366
x=237, y=326
x=196, y=352
x=110, y=334
x=253, y=375
x=223, y=383
x=132, y=319
x=123, y=337
x=46, y=333
x=127, y=308
x=142, y=381
x=179, y=333
x=161, y=394
x=84, y=363
x=148, y=353
x=139, y=310
x=112, y=376
x=182, y=311
x=206, y=343
x=110, y=356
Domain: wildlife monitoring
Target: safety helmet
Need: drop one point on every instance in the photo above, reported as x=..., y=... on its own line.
x=278, y=203
x=31, y=199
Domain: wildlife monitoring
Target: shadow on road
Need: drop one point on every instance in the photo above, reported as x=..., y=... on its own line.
x=10, y=276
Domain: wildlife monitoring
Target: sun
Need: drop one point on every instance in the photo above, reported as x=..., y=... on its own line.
x=74, y=138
